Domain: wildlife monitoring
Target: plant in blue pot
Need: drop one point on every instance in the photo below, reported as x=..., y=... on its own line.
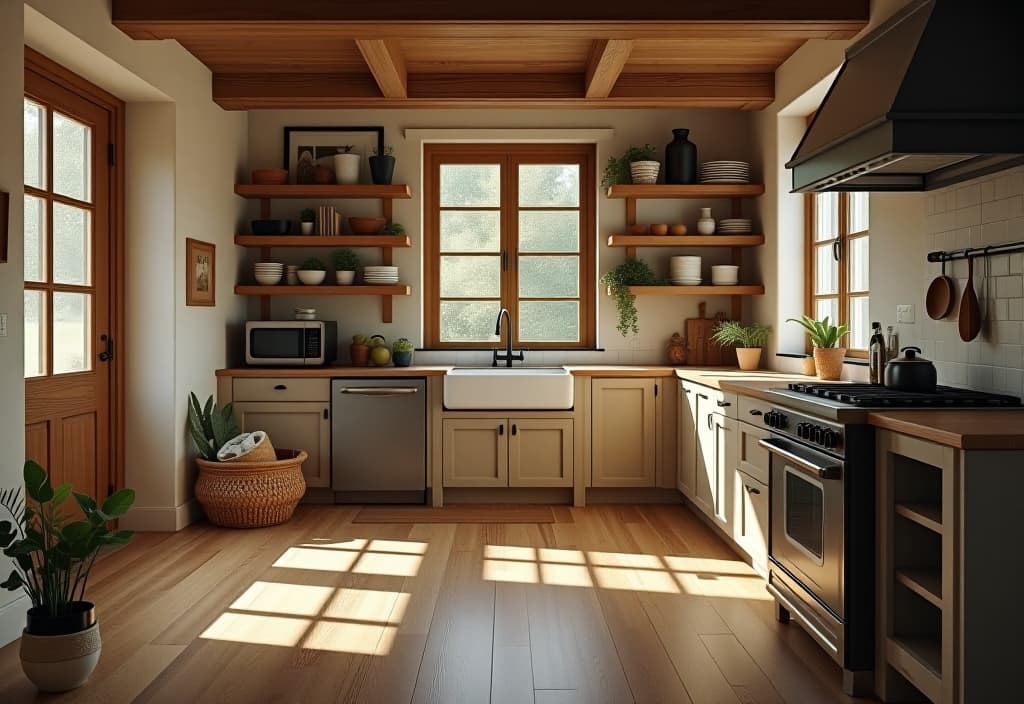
x=402, y=352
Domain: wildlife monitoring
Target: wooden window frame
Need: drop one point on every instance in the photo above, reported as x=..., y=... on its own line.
x=509, y=156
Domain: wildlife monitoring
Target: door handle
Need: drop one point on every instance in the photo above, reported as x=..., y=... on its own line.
x=755, y=412
x=703, y=396
x=823, y=471
x=501, y=429
x=723, y=404
x=515, y=429
x=379, y=390
x=753, y=490
x=107, y=354
x=280, y=387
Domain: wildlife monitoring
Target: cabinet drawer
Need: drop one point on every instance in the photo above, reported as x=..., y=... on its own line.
x=281, y=389
x=720, y=402
x=752, y=410
x=751, y=457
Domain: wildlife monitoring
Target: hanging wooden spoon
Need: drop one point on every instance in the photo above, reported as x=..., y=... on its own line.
x=970, y=311
x=939, y=299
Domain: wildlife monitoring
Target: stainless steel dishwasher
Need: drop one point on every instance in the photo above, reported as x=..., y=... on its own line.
x=379, y=440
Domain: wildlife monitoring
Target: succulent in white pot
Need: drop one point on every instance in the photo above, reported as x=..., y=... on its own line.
x=312, y=272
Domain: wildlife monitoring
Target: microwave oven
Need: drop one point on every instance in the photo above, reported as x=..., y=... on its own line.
x=291, y=343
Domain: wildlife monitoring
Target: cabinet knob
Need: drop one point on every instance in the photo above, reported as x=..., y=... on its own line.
x=755, y=412
x=723, y=404
x=753, y=490
x=280, y=387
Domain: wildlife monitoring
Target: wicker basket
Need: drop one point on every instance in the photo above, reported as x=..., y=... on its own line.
x=251, y=494
x=263, y=452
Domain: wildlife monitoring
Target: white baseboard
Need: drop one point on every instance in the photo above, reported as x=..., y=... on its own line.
x=161, y=519
x=12, y=619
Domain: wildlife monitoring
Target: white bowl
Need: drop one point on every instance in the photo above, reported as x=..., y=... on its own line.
x=268, y=279
x=311, y=278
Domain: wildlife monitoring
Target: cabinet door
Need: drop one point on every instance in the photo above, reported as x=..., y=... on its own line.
x=686, y=442
x=295, y=426
x=751, y=457
x=750, y=527
x=623, y=433
x=726, y=461
x=540, y=452
x=474, y=452
x=705, y=492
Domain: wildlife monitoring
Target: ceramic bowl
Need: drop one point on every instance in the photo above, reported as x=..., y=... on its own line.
x=367, y=226
x=311, y=278
x=270, y=177
x=268, y=279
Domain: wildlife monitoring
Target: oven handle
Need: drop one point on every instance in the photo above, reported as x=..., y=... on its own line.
x=824, y=471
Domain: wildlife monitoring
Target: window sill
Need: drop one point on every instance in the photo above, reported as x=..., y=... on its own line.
x=853, y=361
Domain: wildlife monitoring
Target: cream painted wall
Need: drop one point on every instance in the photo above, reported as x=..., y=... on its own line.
x=717, y=134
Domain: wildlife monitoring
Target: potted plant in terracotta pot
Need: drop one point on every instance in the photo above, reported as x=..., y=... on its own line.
x=825, y=338
x=360, y=351
x=346, y=263
x=748, y=340
x=53, y=553
x=382, y=165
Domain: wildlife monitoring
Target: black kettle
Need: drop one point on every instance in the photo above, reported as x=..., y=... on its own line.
x=911, y=373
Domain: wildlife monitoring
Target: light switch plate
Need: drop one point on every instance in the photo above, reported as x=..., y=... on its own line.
x=905, y=313
x=3, y=324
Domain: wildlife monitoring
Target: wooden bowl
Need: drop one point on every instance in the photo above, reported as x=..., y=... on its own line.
x=638, y=229
x=659, y=229
x=677, y=230
x=367, y=226
x=270, y=177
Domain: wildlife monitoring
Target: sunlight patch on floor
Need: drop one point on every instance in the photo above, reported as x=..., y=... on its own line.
x=257, y=629
x=281, y=598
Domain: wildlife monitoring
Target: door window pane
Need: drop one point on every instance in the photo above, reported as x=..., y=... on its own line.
x=858, y=212
x=555, y=231
x=549, y=277
x=860, y=326
x=470, y=231
x=35, y=144
x=470, y=277
x=72, y=236
x=826, y=270
x=35, y=239
x=826, y=216
x=549, y=321
x=470, y=185
x=71, y=313
x=72, y=147
x=35, y=333
x=859, y=262
x=468, y=321
x=827, y=308
x=549, y=185
x=804, y=504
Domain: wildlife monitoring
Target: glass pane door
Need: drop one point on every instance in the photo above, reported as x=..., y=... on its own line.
x=804, y=514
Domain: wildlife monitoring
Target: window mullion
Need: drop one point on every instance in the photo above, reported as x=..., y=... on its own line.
x=844, y=259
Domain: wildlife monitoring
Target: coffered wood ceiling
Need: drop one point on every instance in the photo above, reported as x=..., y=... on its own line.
x=475, y=53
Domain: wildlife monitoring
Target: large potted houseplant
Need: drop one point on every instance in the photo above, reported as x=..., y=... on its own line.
x=53, y=550
x=632, y=272
x=748, y=340
x=638, y=164
x=825, y=338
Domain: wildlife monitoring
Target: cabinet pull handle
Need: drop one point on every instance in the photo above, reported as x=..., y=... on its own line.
x=515, y=429
x=686, y=391
x=723, y=404
x=755, y=412
x=280, y=387
x=753, y=490
x=501, y=429
x=703, y=396
x=711, y=420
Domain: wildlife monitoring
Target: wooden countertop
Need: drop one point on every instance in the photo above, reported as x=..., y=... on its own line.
x=975, y=429
x=735, y=380
x=434, y=370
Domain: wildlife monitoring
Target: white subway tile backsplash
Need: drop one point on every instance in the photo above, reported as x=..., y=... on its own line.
x=999, y=266
x=968, y=195
x=979, y=377
x=965, y=217
x=1017, y=263
x=995, y=232
x=1015, y=309
x=1010, y=286
x=988, y=190
x=995, y=210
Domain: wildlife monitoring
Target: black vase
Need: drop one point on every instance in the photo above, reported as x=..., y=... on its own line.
x=80, y=616
x=382, y=169
x=681, y=159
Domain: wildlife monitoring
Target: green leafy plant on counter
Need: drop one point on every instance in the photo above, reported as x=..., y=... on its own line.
x=313, y=264
x=210, y=427
x=360, y=339
x=616, y=170
x=632, y=272
x=345, y=260
x=307, y=215
x=821, y=332
x=402, y=344
x=732, y=333
x=393, y=229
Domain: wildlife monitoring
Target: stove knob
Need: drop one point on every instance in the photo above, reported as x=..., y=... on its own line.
x=767, y=418
x=819, y=435
x=830, y=438
x=783, y=420
x=800, y=429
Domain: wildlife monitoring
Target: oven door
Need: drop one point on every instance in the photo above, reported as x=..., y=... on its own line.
x=807, y=518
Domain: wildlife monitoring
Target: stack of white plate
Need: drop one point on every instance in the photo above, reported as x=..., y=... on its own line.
x=725, y=275
x=725, y=172
x=268, y=273
x=735, y=226
x=380, y=275
x=685, y=271
x=305, y=313
x=292, y=274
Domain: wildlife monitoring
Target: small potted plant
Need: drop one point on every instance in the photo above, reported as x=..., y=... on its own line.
x=632, y=272
x=382, y=166
x=346, y=165
x=53, y=551
x=306, y=220
x=360, y=351
x=312, y=272
x=748, y=340
x=394, y=229
x=401, y=352
x=345, y=265
x=825, y=338
x=638, y=164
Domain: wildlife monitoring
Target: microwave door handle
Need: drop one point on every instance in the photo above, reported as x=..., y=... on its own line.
x=379, y=390
x=823, y=471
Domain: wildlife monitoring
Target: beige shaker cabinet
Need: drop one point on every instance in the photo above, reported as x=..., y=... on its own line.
x=686, y=442
x=304, y=425
x=475, y=452
x=715, y=453
x=623, y=437
x=507, y=452
x=540, y=452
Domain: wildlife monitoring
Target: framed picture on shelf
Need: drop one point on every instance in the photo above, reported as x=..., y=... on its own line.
x=200, y=273
x=306, y=148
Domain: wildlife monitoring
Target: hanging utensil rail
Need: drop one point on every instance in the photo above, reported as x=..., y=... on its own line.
x=972, y=252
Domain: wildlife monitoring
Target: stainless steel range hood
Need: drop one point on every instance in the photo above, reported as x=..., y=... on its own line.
x=931, y=97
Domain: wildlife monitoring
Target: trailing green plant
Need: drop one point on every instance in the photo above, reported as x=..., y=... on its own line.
x=307, y=215
x=345, y=260
x=632, y=272
x=387, y=151
x=732, y=333
x=210, y=427
x=821, y=332
x=402, y=344
x=393, y=228
x=616, y=170
x=53, y=554
x=313, y=264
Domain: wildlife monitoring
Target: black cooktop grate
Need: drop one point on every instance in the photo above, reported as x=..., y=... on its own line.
x=873, y=395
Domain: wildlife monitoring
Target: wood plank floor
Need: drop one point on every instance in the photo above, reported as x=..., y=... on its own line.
x=607, y=604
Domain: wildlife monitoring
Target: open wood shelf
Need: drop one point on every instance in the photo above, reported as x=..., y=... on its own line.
x=685, y=240
x=697, y=190
x=741, y=290
x=926, y=515
x=919, y=659
x=392, y=191
x=322, y=290
x=927, y=584
x=323, y=241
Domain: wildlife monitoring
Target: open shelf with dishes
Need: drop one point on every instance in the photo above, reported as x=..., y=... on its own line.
x=710, y=290
x=685, y=240
x=322, y=290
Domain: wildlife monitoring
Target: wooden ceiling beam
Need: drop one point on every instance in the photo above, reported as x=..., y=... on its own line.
x=384, y=57
x=607, y=59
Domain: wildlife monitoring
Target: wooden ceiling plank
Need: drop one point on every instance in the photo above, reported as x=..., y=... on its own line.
x=384, y=57
x=607, y=59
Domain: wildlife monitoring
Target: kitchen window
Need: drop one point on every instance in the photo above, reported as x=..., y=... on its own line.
x=509, y=225
x=837, y=250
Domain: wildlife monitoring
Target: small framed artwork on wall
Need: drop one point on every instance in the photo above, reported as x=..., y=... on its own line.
x=200, y=273
x=310, y=153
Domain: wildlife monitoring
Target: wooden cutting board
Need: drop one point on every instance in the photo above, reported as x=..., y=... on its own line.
x=700, y=350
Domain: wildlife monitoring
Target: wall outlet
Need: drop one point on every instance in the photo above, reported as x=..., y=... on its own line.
x=905, y=313
x=3, y=324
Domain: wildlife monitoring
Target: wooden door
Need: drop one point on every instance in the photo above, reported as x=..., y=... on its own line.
x=540, y=452
x=294, y=425
x=624, y=444
x=68, y=283
x=686, y=442
x=475, y=452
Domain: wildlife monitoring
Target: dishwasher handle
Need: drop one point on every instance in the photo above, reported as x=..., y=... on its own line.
x=379, y=390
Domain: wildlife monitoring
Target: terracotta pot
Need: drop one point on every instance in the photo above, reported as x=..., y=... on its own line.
x=60, y=663
x=749, y=358
x=829, y=362
x=808, y=366
x=360, y=355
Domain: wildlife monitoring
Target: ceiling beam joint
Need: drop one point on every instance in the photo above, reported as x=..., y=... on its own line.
x=607, y=59
x=384, y=58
